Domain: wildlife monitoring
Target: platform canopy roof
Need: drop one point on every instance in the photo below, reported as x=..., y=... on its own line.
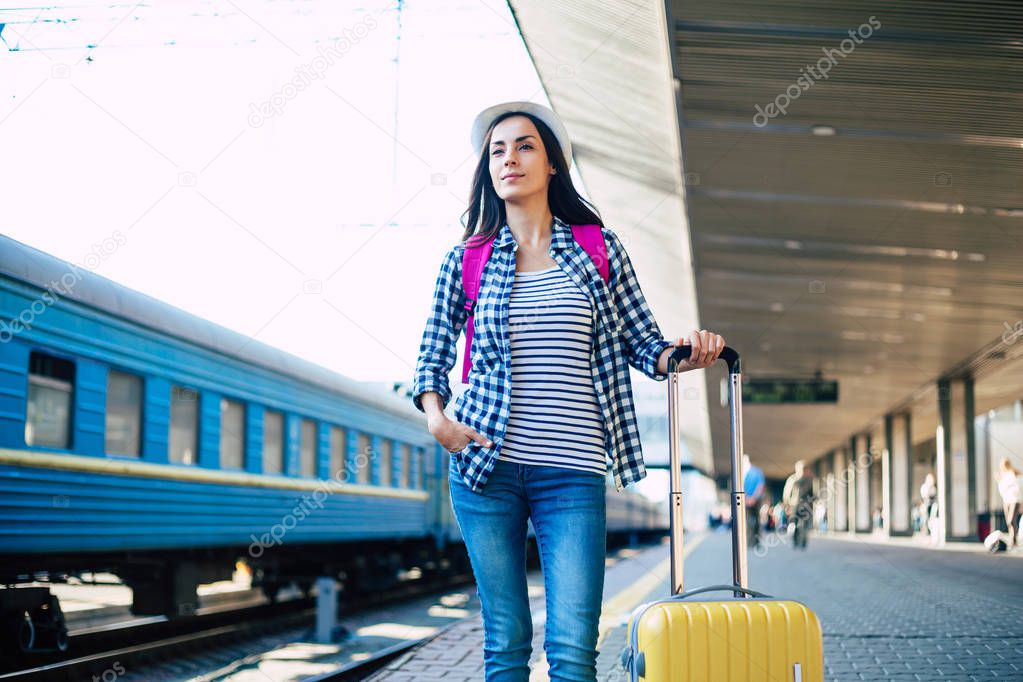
x=873, y=232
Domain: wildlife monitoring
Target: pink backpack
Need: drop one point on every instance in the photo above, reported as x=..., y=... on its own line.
x=475, y=256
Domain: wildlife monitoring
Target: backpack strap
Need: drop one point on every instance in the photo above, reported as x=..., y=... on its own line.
x=476, y=254
x=592, y=239
x=474, y=257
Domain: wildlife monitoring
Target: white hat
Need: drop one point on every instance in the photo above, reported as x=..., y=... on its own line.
x=486, y=117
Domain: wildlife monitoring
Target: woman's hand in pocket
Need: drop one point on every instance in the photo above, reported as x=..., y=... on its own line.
x=454, y=436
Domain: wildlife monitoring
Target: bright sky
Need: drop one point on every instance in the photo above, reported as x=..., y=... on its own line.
x=312, y=218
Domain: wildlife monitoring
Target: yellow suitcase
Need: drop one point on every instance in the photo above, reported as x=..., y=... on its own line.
x=744, y=636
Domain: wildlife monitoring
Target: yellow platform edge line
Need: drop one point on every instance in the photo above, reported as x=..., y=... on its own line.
x=625, y=601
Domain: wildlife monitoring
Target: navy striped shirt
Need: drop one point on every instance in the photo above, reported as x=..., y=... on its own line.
x=555, y=417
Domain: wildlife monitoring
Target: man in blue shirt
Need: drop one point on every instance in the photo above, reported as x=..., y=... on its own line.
x=754, y=483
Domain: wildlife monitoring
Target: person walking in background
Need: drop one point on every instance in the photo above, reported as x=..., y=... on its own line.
x=820, y=515
x=754, y=484
x=798, y=497
x=778, y=519
x=1009, y=489
x=929, y=498
x=549, y=399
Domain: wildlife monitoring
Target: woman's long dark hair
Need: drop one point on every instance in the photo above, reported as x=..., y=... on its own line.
x=486, y=213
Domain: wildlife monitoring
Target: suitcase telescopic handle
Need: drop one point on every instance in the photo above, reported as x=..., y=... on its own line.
x=721, y=588
x=740, y=571
x=729, y=355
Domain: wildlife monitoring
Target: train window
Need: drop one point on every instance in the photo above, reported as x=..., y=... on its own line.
x=232, y=434
x=124, y=413
x=184, y=426
x=406, y=463
x=51, y=383
x=338, y=441
x=445, y=495
x=362, y=461
x=386, y=461
x=273, y=442
x=307, y=448
x=420, y=456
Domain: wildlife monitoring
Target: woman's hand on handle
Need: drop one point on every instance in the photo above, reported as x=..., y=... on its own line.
x=453, y=436
x=707, y=346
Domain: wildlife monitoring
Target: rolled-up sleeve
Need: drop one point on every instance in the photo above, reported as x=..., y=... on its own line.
x=644, y=342
x=438, y=349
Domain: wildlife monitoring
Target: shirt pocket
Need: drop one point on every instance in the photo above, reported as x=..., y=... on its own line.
x=486, y=345
x=606, y=310
x=608, y=320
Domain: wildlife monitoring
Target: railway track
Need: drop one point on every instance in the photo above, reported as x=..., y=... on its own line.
x=107, y=652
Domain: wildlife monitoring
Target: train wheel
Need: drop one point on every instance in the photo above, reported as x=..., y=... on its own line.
x=50, y=626
x=20, y=629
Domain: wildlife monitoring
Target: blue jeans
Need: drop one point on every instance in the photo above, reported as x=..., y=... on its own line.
x=569, y=519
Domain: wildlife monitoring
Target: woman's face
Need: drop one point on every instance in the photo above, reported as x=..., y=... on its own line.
x=518, y=161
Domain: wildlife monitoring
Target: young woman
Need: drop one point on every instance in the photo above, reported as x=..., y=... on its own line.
x=1009, y=489
x=549, y=399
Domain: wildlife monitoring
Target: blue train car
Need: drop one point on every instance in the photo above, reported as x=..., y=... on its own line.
x=144, y=441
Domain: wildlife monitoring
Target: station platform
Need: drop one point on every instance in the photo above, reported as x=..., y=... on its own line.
x=889, y=611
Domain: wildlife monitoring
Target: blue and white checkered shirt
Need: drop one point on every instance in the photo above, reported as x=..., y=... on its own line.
x=625, y=333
